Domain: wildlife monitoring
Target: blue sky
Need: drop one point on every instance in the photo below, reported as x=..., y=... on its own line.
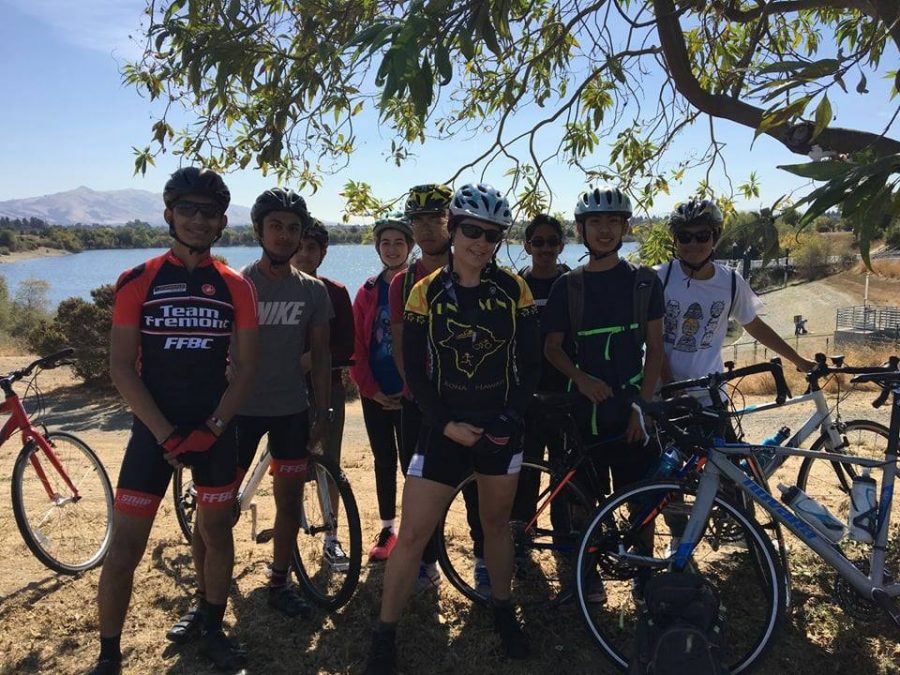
x=67, y=120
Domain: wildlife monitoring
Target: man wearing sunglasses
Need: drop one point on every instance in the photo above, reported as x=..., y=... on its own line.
x=701, y=295
x=176, y=319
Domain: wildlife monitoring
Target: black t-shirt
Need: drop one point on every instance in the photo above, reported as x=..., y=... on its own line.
x=551, y=378
x=609, y=344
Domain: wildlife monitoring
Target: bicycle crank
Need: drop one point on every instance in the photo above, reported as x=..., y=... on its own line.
x=859, y=607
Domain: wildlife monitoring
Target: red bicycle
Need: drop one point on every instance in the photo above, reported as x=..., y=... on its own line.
x=61, y=496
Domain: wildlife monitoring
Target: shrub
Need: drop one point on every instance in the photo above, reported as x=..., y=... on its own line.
x=892, y=235
x=811, y=256
x=84, y=326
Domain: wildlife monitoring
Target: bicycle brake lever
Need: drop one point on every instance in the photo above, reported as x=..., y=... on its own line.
x=882, y=398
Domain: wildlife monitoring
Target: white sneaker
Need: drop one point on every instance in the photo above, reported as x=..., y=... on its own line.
x=429, y=578
x=335, y=556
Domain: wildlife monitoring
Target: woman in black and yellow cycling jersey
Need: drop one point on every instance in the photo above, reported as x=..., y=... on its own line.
x=475, y=326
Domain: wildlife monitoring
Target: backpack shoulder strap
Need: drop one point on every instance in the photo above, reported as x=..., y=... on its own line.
x=668, y=274
x=644, y=279
x=575, y=291
x=409, y=280
x=733, y=291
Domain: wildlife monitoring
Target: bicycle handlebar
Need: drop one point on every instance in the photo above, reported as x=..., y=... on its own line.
x=45, y=362
x=713, y=380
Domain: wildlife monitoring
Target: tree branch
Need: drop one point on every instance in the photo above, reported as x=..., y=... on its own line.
x=793, y=137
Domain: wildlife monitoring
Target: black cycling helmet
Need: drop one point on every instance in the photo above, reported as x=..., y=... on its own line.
x=430, y=198
x=695, y=212
x=278, y=199
x=192, y=180
x=317, y=232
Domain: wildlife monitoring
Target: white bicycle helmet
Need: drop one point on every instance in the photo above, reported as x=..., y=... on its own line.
x=483, y=202
x=603, y=199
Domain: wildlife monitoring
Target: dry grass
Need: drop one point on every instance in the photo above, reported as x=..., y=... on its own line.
x=48, y=623
x=764, y=384
x=888, y=268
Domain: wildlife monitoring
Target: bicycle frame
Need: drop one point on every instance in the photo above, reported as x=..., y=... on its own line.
x=246, y=495
x=871, y=586
x=18, y=421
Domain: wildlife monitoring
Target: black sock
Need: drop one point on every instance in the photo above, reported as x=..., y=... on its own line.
x=213, y=615
x=278, y=578
x=110, y=648
x=386, y=626
x=501, y=604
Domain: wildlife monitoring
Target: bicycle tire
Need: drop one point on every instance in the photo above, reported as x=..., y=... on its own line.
x=829, y=483
x=70, y=536
x=753, y=618
x=184, y=496
x=544, y=574
x=325, y=585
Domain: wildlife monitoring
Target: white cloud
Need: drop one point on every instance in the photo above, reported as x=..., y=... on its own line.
x=100, y=25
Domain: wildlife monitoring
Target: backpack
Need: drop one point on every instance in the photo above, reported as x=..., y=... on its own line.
x=680, y=629
x=644, y=279
x=733, y=285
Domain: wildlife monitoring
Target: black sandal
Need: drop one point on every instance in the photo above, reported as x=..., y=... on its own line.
x=187, y=627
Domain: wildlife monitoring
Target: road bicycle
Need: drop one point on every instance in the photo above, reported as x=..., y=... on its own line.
x=328, y=507
x=61, y=496
x=688, y=523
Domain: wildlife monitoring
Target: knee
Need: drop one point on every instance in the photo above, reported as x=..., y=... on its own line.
x=123, y=556
x=215, y=529
x=413, y=537
x=494, y=522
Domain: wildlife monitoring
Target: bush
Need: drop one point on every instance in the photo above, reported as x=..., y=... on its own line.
x=892, y=236
x=811, y=257
x=84, y=326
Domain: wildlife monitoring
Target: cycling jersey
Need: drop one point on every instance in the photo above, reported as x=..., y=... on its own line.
x=482, y=342
x=186, y=319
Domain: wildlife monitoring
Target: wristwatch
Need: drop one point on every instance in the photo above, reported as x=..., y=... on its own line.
x=325, y=413
x=216, y=424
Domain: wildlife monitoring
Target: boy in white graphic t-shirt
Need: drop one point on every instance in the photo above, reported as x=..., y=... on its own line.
x=701, y=295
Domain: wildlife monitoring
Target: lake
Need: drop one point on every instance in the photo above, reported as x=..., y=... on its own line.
x=351, y=264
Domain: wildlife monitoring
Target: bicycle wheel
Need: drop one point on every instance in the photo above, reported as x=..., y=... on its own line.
x=68, y=533
x=744, y=569
x=329, y=508
x=829, y=482
x=545, y=553
x=184, y=494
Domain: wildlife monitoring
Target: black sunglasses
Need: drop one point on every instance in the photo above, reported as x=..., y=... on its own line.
x=475, y=232
x=190, y=209
x=540, y=242
x=701, y=237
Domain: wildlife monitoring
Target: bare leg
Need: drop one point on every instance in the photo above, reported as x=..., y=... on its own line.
x=496, y=495
x=129, y=540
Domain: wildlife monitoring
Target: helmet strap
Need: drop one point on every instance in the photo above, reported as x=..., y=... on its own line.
x=694, y=268
x=595, y=255
x=194, y=250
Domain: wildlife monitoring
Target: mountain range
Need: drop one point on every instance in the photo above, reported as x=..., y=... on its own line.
x=113, y=207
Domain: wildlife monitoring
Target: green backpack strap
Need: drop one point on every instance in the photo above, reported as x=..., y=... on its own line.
x=644, y=278
x=409, y=280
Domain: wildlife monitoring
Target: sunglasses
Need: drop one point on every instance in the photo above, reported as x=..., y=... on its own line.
x=701, y=237
x=190, y=209
x=540, y=242
x=475, y=232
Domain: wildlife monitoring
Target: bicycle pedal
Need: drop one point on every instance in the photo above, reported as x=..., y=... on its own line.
x=265, y=536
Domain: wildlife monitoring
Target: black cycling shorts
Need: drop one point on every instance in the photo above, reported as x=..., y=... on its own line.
x=288, y=438
x=445, y=461
x=145, y=474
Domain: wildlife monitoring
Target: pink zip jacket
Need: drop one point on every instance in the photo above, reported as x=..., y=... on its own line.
x=365, y=307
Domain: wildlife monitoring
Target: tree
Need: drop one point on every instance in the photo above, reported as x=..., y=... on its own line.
x=279, y=85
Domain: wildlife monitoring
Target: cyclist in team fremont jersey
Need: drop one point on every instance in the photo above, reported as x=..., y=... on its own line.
x=175, y=318
x=476, y=327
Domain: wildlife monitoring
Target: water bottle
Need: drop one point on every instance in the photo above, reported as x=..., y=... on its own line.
x=812, y=512
x=863, y=508
x=765, y=458
x=668, y=463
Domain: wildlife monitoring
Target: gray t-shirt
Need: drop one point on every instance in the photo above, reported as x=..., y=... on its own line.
x=288, y=308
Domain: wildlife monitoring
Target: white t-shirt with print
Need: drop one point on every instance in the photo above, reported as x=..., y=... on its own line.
x=696, y=317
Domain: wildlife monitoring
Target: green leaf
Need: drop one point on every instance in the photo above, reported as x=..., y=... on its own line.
x=825, y=170
x=823, y=117
x=442, y=60
x=783, y=67
x=861, y=87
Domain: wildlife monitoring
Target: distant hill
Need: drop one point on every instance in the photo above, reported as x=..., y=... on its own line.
x=114, y=207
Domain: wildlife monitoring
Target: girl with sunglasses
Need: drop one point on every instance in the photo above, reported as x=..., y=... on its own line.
x=475, y=326
x=702, y=295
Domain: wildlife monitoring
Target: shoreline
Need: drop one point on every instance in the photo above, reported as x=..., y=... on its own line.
x=40, y=252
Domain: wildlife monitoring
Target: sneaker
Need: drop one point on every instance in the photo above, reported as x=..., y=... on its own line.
x=335, y=557
x=187, y=627
x=482, y=579
x=224, y=654
x=382, y=654
x=107, y=666
x=596, y=591
x=515, y=642
x=287, y=600
x=384, y=544
x=429, y=578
